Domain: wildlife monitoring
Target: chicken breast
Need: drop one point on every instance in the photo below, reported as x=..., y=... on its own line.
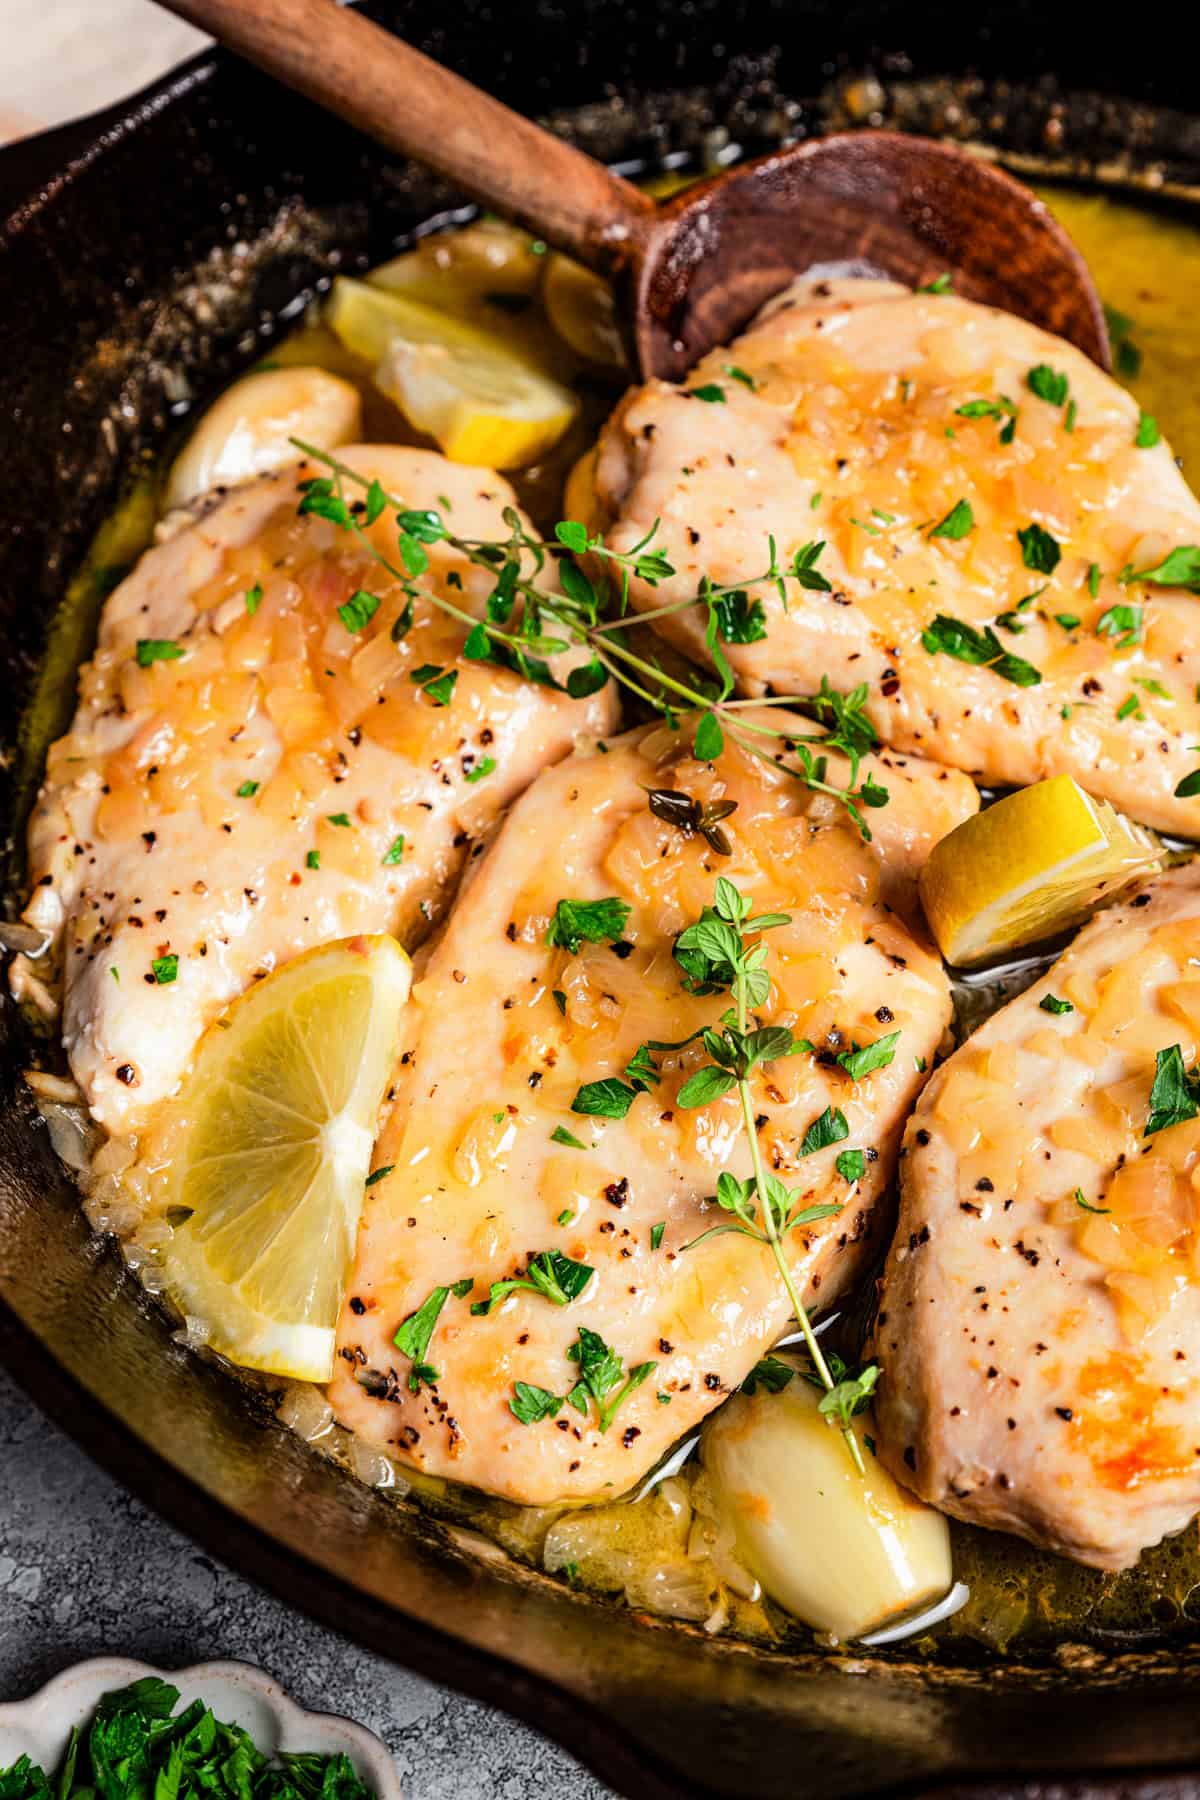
x=1039, y=1321
x=872, y=422
x=484, y=1166
x=258, y=764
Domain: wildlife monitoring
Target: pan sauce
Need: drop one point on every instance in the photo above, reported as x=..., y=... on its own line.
x=663, y=1552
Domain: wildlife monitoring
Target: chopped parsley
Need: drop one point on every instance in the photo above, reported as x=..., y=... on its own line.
x=878, y=1055
x=1048, y=384
x=1121, y=623
x=341, y=819
x=165, y=969
x=530, y=1404
x=551, y=1274
x=600, y=1373
x=1052, y=1004
x=482, y=768
x=1179, y=568
x=771, y=1374
x=1147, y=432
x=560, y=1135
x=414, y=1335
x=829, y=1127
x=1087, y=1205
x=736, y=374
x=254, y=598
x=435, y=683
x=312, y=859
x=970, y=645
x=587, y=921
x=1068, y=621
x=152, y=650
x=957, y=522
x=247, y=790
x=394, y=852
x=379, y=1174
x=712, y=392
x=1039, y=551
x=656, y=1234
x=1174, y=1093
x=941, y=284
x=851, y=1165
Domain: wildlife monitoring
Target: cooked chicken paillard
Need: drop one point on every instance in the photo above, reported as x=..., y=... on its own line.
x=529, y=1312
x=977, y=522
x=1040, y=1312
x=266, y=757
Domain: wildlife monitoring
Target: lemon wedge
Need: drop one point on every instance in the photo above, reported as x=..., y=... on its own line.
x=462, y=385
x=1035, y=863
x=472, y=270
x=582, y=310
x=274, y=1130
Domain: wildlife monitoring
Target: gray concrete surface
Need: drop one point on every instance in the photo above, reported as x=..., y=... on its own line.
x=85, y=1569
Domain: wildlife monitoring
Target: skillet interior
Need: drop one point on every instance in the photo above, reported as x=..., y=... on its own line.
x=184, y=234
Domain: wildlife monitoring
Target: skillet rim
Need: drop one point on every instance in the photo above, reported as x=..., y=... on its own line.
x=550, y=1706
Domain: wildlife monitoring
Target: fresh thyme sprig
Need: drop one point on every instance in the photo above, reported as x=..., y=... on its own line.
x=715, y=956
x=524, y=626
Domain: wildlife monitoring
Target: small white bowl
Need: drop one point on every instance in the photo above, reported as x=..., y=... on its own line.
x=40, y=1726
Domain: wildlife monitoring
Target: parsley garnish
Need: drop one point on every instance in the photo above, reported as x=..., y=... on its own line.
x=1179, y=568
x=482, y=768
x=771, y=1374
x=656, y=1235
x=312, y=859
x=941, y=284
x=247, y=790
x=851, y=1165
x=1087, y=1205
x=152, y=650
x=1174, y=1093
x=133, y=1749
x=342, y=819
x=254, y=598
x=560, y=1135
x=551, y=1274
x=1052, y=1004
x=878, y=1055
x=712, y=391
x=1048, y=384
x=609, y=1099
x=587, y=921
x=414, y=1335
x=1147, y=432
x=165, y=969
x=530, y=1404
x=970, y=645
x=736, y=374
x=957, y=522
x=436, y=684
x=600, y=1371
x=1121, y=623
x=394, y=852
x=1039, y=551
x=378, y=1174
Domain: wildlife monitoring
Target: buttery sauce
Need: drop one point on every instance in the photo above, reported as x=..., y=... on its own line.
x=666, y=1552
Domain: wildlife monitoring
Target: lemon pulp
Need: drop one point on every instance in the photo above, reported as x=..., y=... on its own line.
x=483, y=402
x=1035, y=863
x=277, y=1123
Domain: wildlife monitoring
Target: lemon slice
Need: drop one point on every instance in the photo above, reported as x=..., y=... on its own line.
x=1035, y=863
x=462, y=385
x=275, y=1127
x=466, y=269
x=581, y=308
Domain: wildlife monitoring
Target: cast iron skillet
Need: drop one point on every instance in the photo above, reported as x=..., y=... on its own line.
x=145, y=257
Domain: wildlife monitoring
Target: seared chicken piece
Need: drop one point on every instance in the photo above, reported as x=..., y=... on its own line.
x=872, y=421
x=1039, y=1324
x=252, y=771
x=483, y=1165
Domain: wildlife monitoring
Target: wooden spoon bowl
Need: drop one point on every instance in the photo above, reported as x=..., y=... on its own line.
x=694, y=271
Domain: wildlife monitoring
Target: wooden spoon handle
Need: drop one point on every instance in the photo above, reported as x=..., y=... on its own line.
x=409, y=103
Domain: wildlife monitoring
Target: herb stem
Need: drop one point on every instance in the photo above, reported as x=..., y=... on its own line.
x=767, y=1212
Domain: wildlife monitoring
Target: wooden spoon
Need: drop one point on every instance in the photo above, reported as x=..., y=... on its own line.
x=690, y=273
